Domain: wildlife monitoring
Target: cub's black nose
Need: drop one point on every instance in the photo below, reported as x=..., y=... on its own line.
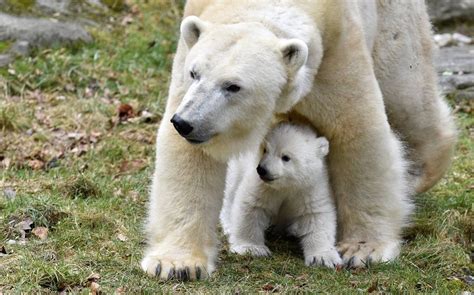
x=261, y=171
x=183, y=127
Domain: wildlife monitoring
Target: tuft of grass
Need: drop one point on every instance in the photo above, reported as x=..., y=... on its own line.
x=81, y=187
x=13, y=118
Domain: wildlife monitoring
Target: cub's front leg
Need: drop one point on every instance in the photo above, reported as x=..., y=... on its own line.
x=247, y=234
x=183, y=212
x=318, y=237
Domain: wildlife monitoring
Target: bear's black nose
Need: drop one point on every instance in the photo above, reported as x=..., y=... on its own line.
x=261, y=171
x=183, y=127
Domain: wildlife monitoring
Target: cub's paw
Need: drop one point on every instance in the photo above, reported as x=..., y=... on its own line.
x=175, y=269
x=363, y=253
x=329, y=258
x=254, y=250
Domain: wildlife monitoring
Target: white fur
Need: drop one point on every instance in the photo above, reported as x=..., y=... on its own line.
x=298, y=199
x=368, y=70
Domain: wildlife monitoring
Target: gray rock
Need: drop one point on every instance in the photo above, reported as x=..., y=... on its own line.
x=456, y=68
x=5, y=59
x=21, y=48
x=9, y=193
x=41, y=32
x=455, y=60
x=53, y=5
x=449, y=10
x=451, y=83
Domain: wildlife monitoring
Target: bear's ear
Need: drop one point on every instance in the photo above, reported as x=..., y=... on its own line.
x=323, y=146
x=295, y=53
x=191, y=28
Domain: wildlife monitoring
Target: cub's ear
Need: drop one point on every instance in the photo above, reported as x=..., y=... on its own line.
x=294, y=52
x=191, y=28
x=323, y=146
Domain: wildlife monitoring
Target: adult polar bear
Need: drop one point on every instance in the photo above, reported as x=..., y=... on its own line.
x=238, y=62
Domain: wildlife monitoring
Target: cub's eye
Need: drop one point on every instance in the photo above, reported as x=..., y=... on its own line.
x=285, y=158
x=232, y=88
x=193, y=75
x=264, y=151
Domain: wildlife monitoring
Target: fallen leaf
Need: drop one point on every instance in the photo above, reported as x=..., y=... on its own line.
x=132, y=166
x=94, y=277
x=5, y=163
x=269, y=288
x=3, y=251
x=120, y=290
x=148, y=117
x=373, y=287
x=122, y=237
x=125, y=111
x=41, y=232
x=134, y=196
x=36, y=164
x=95, y=288
x=24, y=226
x=128, y=19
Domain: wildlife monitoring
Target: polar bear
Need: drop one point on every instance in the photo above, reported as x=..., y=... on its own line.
x=360, y=71
x=289, y=188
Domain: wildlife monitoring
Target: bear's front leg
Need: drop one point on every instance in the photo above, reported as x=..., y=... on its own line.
x=318, y=236
x=183, y=212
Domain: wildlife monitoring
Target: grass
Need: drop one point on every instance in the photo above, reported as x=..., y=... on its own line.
x=78, y=170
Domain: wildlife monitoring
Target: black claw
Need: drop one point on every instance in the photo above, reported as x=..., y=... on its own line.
x=182, y=275
x=350, y=263
x=369, y=262
x=323, y=263
x=188, y=273
x=171, y=274
x=158, y=270
x=198, y=273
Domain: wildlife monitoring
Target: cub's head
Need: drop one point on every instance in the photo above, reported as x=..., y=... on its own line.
x=292, y=155
x=235, y=77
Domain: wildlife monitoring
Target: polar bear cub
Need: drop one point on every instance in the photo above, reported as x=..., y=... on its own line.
x=290, y=188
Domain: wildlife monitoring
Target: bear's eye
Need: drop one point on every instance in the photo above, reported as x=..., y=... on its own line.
x=264, y=151
x=193, y=75
x=285, y=158
x=232, y=88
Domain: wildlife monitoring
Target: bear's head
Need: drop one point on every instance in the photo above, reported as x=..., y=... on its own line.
x=292, y=156
x=236, y=77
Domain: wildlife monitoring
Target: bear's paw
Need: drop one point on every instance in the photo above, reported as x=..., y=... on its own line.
x=171, y=269
x=357, y=254
x=329, y=259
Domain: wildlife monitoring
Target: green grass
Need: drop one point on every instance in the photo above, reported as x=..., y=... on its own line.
x=85, y=176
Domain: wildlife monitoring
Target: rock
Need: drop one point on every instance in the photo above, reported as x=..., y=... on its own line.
x=455, y=66
x=9, y=193
x=448, y=10
x=443, y=40
x=41, y=32
x=455, y=60
x=5, y=59
x=461, y=39
x=21, y=48
x=451, y=83
x=53, y=5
